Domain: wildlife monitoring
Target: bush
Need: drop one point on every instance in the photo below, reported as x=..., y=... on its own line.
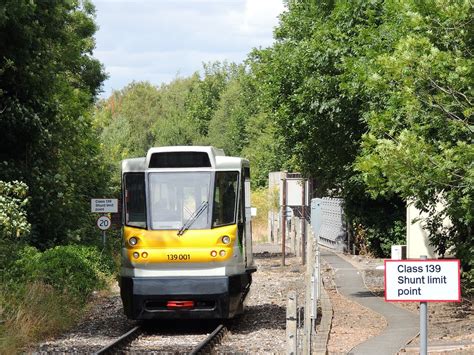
x=34, y=312
x=13, y=202
x=42, y=293
x=73, y=269
x=69, y=271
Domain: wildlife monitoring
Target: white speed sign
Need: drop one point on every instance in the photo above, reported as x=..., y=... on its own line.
x=103, y=222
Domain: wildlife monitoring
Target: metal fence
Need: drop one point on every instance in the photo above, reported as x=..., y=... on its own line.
x=327, y=221
x=307, y=330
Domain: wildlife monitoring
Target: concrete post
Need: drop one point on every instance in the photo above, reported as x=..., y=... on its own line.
x=283, y=220
x=303, y=224
x=291, y=339
x=308, y=302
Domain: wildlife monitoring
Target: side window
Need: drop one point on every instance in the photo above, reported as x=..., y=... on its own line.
x=134, y=197
x=225, y=198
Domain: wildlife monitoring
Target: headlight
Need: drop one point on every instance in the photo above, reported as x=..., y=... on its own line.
x=226, y=239
x=133, y=241
x=136, y=255
x=222, y=253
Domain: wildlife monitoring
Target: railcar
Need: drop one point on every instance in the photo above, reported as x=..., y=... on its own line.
x=187, y=243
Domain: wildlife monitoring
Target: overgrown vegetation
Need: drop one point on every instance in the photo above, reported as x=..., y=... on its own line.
x=45, y=292
x=264, y=200
x=373, y=100
x=50, y=167
x=370, y=99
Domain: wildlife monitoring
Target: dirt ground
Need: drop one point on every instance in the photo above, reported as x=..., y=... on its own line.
x=450, y=325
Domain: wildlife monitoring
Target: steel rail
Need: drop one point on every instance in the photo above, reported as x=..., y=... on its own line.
x=212, y=340
x=125, y=339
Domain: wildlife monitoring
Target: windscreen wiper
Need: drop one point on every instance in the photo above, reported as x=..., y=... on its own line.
x=193, y=218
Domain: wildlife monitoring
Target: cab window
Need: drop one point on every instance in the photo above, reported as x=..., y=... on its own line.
x=134, y=197
x=225, y=198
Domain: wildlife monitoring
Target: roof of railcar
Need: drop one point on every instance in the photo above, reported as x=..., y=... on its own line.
x=217, y=158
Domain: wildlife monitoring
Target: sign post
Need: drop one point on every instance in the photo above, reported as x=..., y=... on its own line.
x=104, y=205
x=424, y=280
x=103, y=222
x=423, y=322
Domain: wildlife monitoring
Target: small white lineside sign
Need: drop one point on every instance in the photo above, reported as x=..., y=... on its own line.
x=437, y=280
x=103, y=222
x=104, y=205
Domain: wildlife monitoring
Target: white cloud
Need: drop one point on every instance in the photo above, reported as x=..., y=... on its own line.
x=260, y=15
x=155, y=40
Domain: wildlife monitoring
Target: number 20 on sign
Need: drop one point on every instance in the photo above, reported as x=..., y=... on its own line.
x=422, y=280
x=103, y=222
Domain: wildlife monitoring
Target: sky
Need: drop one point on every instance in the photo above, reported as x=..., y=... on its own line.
x=159, y=40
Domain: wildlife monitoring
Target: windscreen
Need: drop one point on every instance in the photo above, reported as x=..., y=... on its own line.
x=176, y=196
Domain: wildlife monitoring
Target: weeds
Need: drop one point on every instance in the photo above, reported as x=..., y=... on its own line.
x=44, y=293
x=38, y=311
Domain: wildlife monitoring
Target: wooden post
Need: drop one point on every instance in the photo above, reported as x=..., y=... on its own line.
x=283, y=220
x=291, y=324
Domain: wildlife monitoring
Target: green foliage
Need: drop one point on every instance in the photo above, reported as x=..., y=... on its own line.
x=141, y=116
x=74, y=270
x=371, y=99
x=317, y=111
x=204, y=97
x=48, y=81
x=222, y=109
x=319, y=125
x=420, y=117
x=227, y=127
x=378, y=93
x=43, y=293
x=13, y=202
x=376, y=223
x=172, y=126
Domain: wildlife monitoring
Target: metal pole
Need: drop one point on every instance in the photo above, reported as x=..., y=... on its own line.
x=423, y=323
x=283, y=220
x=103, y=238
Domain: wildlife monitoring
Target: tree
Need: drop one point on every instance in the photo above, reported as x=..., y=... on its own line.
x=204, y=96
x=420, y=119
x=13, y=218
x=141, y=116
x=317, y=111
x=174, y=126
x=48, y=81
x=319, y=124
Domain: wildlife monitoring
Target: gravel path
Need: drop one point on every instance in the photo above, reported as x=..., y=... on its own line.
x=261, y=329
x=103, y=322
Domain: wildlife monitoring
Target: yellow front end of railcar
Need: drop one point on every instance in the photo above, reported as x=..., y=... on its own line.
x=193, y=246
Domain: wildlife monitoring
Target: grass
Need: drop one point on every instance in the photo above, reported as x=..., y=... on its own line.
x=265, y=201
x=36, y=312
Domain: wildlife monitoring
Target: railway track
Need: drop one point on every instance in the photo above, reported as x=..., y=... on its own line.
x=142, y=340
